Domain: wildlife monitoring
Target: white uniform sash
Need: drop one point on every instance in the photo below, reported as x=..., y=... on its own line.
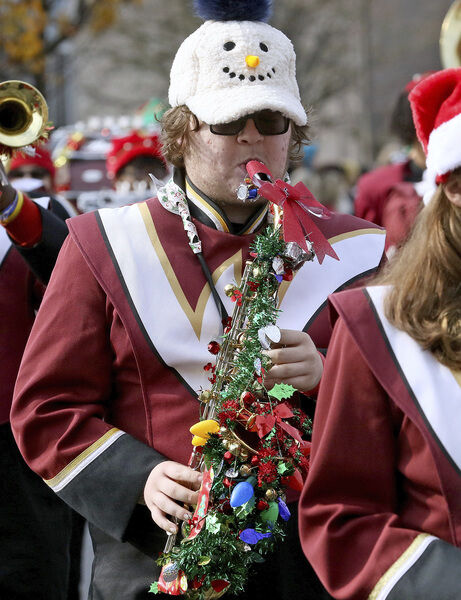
x=181, y=335
x=434, y=387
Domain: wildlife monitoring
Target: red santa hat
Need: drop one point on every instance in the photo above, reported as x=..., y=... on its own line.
x=41, y=158
x=126, y=148
x=436, y=108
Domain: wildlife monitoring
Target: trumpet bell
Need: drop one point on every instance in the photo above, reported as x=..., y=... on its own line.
x=23, y=114
x=450, y=37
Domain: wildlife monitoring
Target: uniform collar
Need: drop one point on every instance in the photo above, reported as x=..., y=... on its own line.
x=209, y=213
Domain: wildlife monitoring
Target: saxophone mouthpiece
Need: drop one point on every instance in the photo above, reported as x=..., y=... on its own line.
x=258, y=174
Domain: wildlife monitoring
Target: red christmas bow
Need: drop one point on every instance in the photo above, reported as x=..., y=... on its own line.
x=265, y=423
x=297, y=203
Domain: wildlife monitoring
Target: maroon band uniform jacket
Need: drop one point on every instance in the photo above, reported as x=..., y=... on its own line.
x=380, y=514
x=109, y=381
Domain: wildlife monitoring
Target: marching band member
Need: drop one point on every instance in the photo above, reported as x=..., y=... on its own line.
x=380, y=513
x=35, y=524
x=132, y=158
x=104, y=400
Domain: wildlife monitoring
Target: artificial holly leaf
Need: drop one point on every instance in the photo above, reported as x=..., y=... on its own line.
x=154, y=588
x=283, y=468
x=282, y=391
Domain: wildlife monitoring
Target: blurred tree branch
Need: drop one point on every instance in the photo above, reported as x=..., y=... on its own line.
x=32, y=30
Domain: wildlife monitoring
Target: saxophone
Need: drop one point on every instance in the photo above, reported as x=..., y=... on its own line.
x=249, y=441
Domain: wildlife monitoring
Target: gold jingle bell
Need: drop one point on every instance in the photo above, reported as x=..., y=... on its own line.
x=229, y=289
x=271, y=494
x=205, y=396
x=245, y=470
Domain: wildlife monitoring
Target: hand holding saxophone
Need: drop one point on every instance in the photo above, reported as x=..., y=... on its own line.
x=168, y=488
x=295, y=361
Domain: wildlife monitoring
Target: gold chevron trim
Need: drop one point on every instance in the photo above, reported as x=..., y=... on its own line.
x=56, y=480
x=457, y=376
x=195, y=316
x=351, y=234
x=206, y=206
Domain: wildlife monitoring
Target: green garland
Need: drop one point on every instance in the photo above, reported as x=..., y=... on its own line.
x=219, y=559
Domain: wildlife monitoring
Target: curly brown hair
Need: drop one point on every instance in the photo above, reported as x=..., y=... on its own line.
x=178, y=123
x=425, y=275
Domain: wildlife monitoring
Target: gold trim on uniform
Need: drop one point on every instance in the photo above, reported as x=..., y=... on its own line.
x=195, y=316
x=397, y=566
x=457, y=376
x=206, y=207
x=351, y=234
x=57, y=479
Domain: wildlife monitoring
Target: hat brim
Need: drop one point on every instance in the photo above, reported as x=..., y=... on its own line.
x=225, y=105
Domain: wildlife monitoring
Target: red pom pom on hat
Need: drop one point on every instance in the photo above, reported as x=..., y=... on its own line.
x=436, y=108
x=126, y=148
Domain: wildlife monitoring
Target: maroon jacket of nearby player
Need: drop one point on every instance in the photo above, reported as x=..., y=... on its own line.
x=373, y=188
x=380, y=514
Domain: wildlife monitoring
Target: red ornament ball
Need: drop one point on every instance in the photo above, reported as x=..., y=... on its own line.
x=226, y=507
x=262, y=505
x=213, y=347
x=228, y=456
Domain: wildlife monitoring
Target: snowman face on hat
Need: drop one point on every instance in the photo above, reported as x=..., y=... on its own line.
x=247, y=61
x=225, y=70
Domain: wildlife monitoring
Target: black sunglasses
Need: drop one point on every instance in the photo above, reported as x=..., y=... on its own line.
x=267, y=122
x=34, y=174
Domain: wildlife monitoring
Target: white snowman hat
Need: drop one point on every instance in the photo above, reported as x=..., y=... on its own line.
x=235, y=64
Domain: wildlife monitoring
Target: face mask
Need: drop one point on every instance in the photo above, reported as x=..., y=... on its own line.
x=26, y=184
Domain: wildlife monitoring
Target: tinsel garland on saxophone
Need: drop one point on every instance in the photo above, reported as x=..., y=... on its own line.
x=249, y=442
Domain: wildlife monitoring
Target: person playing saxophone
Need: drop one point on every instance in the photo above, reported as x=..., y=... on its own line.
x=104, y=414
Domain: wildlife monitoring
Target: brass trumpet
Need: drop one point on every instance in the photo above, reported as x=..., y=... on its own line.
x=450, y=37
x=23, y=114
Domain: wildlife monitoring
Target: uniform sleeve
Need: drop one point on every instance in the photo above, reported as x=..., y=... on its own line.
x=350, y=527
x=62, y=394
x=41, y=257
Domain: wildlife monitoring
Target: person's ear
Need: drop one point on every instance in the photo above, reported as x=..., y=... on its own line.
x=452, y=189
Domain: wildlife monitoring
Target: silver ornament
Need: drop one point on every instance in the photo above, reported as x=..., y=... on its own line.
x=297, y=256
